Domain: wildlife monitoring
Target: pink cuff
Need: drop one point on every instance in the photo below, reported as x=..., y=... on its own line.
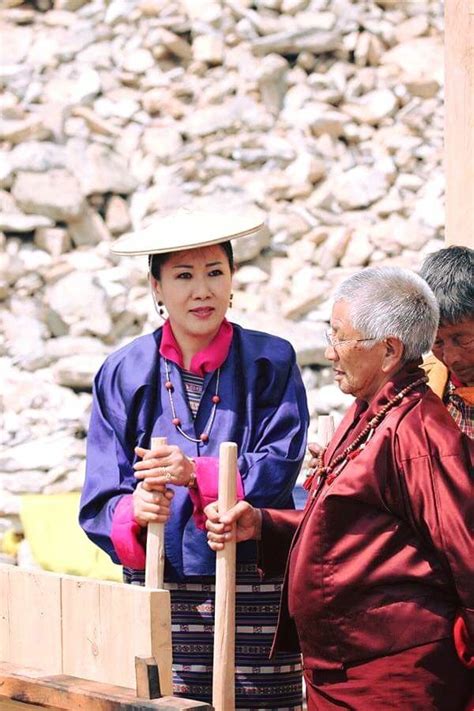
x=206, y=489
x=127, y=535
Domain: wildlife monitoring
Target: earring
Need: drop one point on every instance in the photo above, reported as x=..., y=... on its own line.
x=159, y=306
x=230, y=300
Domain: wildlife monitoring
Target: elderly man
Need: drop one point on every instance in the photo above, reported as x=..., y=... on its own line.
x=380, y=561
x=450, y=274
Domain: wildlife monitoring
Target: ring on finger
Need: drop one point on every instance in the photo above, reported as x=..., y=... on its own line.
x=166, y=473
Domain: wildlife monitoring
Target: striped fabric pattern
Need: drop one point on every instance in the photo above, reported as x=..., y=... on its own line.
x=193, y=384
x=260, y=683
x=461, y=412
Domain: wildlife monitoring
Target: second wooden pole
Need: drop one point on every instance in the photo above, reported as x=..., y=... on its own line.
x=223, y=684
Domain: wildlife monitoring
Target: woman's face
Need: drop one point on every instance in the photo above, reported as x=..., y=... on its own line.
x=357, y=363
x=195, y=287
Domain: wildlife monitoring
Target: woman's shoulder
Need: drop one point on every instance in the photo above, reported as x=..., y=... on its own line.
x=133, y=360
x=264, y=345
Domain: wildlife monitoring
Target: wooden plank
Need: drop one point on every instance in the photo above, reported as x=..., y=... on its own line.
x=4, y=613
x=160, y=637
x=7, y=705
x=106, y=625
x=223, y=681
x=34, y=618
x=459, y=121
x=82, y=646
x=72, y=694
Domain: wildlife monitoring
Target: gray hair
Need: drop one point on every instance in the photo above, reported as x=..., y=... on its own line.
x=390, y=301
x=450, y=274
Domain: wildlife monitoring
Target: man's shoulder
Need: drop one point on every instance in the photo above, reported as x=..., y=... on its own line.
x=427, y=428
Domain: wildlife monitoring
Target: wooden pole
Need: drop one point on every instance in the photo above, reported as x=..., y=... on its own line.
x=459, y=121
x=325, y=429
x=155, y=544
x=223, y=684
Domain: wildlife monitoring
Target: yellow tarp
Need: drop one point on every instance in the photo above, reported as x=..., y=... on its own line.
x=57, y=541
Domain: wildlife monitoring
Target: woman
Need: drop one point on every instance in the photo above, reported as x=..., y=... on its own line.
x=198, y=380
x=380, y=560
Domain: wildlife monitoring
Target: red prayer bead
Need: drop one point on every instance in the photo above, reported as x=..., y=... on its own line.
x=330, y=479
x=216, y=399
x=169, y=385
x=176, y=421
x=204, y=437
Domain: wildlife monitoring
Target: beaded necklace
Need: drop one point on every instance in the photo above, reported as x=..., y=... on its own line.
x=327, y=474
x=204, y=436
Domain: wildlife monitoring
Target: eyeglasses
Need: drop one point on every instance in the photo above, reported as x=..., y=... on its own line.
x=335, y=343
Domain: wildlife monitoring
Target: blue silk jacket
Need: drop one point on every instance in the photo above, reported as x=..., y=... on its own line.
x=263, y=410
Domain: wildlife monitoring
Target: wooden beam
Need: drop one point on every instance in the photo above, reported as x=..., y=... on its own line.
x=69, y=693
x=459, y=121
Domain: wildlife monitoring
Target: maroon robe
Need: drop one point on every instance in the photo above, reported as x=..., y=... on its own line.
x=381, y=559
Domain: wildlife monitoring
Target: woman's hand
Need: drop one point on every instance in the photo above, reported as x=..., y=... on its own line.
x=151, y=506
x=163, y=465
x=247, y=520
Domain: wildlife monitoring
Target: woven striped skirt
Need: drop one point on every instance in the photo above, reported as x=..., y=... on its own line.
x=259, y=682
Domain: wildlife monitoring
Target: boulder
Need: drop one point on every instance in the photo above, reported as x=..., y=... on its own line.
x=16, y=222
x=99, y=169
x=55, y=194
x=360, y=187
x=77, y=371
x=77, y=306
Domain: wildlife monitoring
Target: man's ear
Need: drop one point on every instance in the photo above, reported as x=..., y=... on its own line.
x=394, y=350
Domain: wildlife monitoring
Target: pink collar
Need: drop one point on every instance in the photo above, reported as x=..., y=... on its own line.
x=207, y=360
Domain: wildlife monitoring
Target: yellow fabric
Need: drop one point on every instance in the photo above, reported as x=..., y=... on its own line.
x=466, y=393
x=11, y=542
x=437, y=373
x=57, y=541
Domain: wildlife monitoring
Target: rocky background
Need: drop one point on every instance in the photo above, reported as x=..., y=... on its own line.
x=325, y=114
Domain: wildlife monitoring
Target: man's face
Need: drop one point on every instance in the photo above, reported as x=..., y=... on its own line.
x=356, y=362
x=454, y=346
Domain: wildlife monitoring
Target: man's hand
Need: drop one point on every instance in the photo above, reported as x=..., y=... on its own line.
x=151, y=506
x=241, y=523
x=314, y=450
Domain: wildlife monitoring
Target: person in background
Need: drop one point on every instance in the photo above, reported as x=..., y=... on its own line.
x=198, y=380
x=380, y=563
x=450, y=274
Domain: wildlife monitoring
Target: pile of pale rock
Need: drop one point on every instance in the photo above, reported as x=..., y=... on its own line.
x=326, y=115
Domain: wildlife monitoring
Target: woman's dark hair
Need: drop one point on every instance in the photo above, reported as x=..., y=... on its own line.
x=450, y=274
x=155, y=261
